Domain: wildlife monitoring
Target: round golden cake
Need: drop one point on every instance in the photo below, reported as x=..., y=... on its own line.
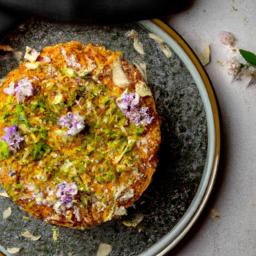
x=79, y=134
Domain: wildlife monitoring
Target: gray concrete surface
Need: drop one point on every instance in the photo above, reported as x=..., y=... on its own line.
x=234, y=233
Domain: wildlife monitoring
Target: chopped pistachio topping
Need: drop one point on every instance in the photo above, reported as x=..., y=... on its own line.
x=70, y=132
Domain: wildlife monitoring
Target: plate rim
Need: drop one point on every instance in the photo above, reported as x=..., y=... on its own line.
x=160, y=251
x=161, y=247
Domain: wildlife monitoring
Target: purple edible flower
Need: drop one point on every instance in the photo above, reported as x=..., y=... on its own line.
x=129, y=105
x=140, y=116
x=21, y=89
x=146, y=118
x=128, y=101
x=12, y=137
x=74, y=123
x=66, y=193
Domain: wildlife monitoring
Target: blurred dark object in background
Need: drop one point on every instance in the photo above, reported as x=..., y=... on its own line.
x=8, y=19
x=95, y=10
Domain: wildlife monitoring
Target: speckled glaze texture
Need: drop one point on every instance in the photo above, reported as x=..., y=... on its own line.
x=181, y=158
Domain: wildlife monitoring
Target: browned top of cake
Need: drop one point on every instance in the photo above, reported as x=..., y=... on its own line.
x=79, y=133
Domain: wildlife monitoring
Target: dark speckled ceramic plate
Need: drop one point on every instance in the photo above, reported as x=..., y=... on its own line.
x=188, y=157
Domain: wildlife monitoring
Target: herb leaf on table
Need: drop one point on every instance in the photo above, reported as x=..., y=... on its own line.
x=248, y=56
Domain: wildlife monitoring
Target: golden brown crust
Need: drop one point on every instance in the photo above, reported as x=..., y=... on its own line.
x=105, y=200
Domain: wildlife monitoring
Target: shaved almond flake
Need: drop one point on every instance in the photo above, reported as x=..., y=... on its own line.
x=142, y=89
x=164, y=48
x=31, y=54
x=214, y=213
x=3, y=194
x=120, y=211
x=55, y=233
x=156, y=38
x=104, y=249
x=138, y=46
x=7, y=213
x=6, y=48
x=132, y=34
x=32, y=65
x=205, y=55
x=13, y=250
x=142, y=67
x=135, y=221
x=119, y=77
x=30, y=236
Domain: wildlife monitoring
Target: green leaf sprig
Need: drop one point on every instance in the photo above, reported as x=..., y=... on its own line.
x=250, y=57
